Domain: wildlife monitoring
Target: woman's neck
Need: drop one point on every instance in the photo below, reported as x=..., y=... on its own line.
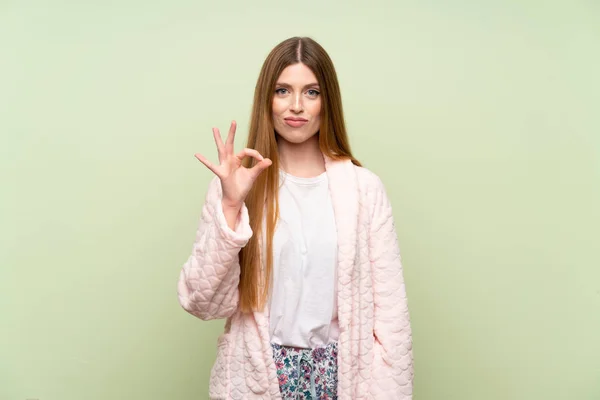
x=303, y=160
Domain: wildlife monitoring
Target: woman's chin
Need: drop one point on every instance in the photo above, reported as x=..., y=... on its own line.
x=296, y=137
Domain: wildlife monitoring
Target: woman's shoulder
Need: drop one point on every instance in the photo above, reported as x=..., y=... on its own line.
x=367, y=179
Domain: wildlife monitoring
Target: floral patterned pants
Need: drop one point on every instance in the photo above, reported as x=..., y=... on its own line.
x=306, y=373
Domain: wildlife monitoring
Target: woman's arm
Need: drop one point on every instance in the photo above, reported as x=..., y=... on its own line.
x=393, y=362
x=208, y=282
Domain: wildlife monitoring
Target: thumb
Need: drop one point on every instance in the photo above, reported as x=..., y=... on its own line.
x=260, y=167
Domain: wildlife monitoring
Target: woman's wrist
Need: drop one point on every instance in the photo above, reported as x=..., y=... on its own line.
x=231, y=212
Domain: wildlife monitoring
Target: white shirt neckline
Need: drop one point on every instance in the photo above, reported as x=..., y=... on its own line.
x=303, y=181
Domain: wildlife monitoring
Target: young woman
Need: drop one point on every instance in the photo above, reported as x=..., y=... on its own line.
x=297, y=249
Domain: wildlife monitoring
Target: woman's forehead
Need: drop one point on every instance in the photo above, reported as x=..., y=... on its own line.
x=297, y=75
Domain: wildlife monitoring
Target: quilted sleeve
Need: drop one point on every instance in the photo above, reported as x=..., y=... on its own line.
x=208, y=282
x=392, y=374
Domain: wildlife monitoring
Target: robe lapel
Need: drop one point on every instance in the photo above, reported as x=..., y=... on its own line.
x=343, y=187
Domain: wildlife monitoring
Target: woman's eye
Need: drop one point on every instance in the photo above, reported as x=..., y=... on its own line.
x=278, y=90
x=315, y=93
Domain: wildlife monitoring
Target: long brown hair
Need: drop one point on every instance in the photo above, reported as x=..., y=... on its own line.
x=333, y=141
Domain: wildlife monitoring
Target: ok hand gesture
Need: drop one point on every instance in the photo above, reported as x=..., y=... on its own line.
x=236, y=180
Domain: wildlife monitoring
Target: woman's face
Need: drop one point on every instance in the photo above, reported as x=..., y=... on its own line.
x=297, y=97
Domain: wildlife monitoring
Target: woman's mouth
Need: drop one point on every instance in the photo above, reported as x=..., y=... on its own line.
x=295, y=123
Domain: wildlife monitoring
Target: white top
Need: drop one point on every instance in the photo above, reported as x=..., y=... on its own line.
x=303, y=301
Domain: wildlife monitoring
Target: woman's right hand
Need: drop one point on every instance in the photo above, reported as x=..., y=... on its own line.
x=236, y=180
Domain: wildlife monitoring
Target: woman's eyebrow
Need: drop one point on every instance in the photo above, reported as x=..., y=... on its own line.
x=289, y=86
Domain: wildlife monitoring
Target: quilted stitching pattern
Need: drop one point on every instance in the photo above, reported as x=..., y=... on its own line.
x=209, y=279
x=393, y=361
x=375, y=358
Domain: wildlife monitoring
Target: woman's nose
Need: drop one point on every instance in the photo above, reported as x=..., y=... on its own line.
x=296, y=105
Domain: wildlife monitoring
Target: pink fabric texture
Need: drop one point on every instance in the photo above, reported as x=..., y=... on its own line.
x=375, y=359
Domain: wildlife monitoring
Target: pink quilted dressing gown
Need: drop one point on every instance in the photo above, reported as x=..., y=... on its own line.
x=375, y=358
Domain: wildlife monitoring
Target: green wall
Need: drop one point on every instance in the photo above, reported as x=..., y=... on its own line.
x=481, y=118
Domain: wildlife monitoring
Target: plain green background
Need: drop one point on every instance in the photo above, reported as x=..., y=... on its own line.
x=480, y=117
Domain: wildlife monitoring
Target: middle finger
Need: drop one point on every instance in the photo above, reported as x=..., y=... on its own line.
x=230, y=137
